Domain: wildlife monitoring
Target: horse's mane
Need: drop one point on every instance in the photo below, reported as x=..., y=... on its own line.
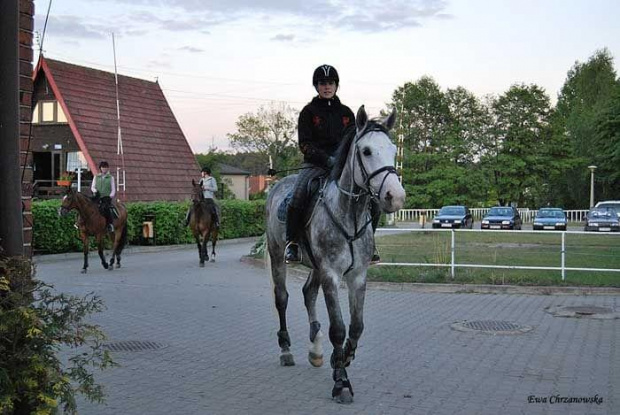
x=342, y=152
x=349, y=135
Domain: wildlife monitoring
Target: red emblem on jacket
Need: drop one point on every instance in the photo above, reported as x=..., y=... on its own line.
x=316, y=120
x=346, y=121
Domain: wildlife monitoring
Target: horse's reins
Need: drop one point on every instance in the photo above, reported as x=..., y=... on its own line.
x=367, y=190
x=272, y=172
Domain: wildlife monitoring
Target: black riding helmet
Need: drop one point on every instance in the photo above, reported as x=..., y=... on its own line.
x=206, y=170
x=325, y=73
x=104, y=164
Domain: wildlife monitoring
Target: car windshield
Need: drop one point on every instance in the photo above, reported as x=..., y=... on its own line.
x=612, y=205
x=500, y=211
x=452, y=210
x=602, y=212
x=547, y=213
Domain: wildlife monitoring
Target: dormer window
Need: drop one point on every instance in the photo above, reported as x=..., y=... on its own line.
x=48, y=112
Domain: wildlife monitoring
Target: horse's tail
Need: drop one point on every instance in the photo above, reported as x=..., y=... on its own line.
x=267, y=257
x=123, y=241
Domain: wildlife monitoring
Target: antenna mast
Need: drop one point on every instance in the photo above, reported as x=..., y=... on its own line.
x=120, y=172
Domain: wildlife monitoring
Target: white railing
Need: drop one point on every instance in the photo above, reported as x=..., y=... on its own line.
x=527, y=215
x=453, y=265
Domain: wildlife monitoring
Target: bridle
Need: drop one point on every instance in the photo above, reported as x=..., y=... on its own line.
x=366, y=187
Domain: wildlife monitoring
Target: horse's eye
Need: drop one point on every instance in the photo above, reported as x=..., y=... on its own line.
x=367, y=151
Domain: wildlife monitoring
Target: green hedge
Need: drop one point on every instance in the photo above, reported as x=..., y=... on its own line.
x=53, y=234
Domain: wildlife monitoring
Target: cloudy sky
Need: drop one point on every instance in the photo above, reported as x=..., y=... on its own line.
x=218, y=59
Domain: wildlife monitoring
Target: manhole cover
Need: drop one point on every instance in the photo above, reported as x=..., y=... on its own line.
x=584, y=311
x=133, y=346
x=491, y=327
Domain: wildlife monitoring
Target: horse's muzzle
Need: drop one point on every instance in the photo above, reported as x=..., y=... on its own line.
x=62, y=211
x=392, y=197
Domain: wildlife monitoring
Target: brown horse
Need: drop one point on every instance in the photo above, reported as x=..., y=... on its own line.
x=202, y=223
x=91, y=223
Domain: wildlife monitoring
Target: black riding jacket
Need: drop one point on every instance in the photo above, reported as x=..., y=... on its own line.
x=320, y=128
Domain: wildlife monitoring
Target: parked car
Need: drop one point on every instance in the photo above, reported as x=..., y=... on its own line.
x=453, y=217
x=615, y=204
x=550, y=219
x=502, y=217
x=602, y=219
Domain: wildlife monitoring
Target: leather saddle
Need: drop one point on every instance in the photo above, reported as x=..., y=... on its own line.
x=312, y=197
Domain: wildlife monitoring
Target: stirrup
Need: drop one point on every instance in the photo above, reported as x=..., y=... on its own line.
x=292, y=253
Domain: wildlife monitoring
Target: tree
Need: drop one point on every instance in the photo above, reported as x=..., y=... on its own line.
x=519, y=152
x=442, y=134
x=586, y=93
x=607, y=142
x=269, y=132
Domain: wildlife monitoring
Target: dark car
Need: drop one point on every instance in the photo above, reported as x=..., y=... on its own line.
x=602, y=219
x=614, y=204
x=453, y=217
x=550, y=219
x=502, y=217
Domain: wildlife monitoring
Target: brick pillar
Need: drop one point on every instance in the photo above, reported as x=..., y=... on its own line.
x=26, y=26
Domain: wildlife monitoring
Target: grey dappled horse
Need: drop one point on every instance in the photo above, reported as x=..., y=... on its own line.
x=340, y=240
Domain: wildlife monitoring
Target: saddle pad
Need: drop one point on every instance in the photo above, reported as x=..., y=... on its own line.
x=284, y=207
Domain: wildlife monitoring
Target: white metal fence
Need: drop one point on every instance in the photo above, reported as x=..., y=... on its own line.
x=453, y=265
x=527, y=215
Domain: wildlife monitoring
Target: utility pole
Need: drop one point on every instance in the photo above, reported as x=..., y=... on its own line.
x=11, y=233
x=592, y=168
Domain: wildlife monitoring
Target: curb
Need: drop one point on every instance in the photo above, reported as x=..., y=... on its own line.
x=139, y=249
x=301, y=273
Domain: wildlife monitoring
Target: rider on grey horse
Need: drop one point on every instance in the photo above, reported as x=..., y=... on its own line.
x=321, y=127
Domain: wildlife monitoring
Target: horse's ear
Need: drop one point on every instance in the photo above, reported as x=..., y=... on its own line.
x=391, y=119
x=361, y=118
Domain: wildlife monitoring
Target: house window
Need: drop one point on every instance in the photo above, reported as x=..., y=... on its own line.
x=48, y=112
x=76, y=160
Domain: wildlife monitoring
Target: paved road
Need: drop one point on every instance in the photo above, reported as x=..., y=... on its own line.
x=219, y=326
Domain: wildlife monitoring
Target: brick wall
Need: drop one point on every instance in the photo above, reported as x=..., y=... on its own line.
x=26, y=27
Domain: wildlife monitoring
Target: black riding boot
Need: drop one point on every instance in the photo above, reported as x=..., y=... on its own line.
x=375, y=213
x=109, y=221
x=217, y=219
x=293, y=223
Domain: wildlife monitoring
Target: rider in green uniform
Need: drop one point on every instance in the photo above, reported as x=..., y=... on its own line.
x=104, y=189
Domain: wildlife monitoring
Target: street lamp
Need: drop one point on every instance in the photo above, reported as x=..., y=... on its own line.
x=592, y=168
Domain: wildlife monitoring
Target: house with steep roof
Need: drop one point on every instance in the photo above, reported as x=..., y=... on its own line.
x=75, y=127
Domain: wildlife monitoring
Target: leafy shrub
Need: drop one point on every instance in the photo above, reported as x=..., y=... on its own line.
x=35, y=323
x=53, y=234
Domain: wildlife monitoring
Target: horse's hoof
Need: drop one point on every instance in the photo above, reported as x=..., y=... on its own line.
x=286, y=359
x=202, y=264
x=315, y=359
x=118, y=265
x=342, y=396
x=212, y=260
x=110, y=268
x=83, y=271
x=105, y=266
